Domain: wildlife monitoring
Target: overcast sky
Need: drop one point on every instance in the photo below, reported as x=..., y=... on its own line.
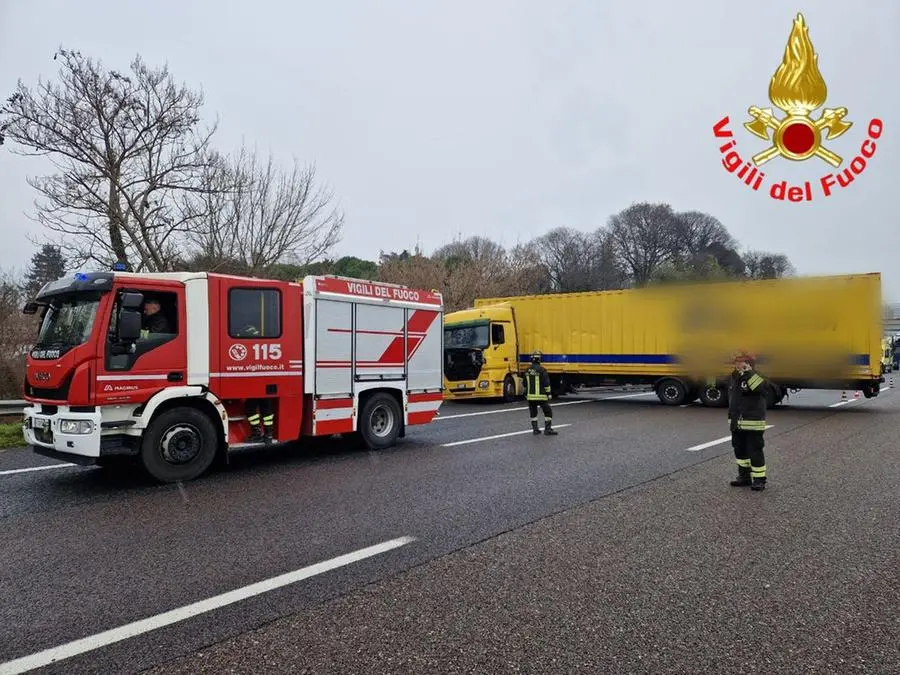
x=432, y=119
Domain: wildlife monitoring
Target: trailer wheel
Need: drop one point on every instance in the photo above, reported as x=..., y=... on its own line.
x=671, y=392
x=180, y=445
x=509, y=389
x=380, y=421
x=714, y=397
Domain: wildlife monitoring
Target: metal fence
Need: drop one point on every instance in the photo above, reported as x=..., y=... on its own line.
x=12, y=407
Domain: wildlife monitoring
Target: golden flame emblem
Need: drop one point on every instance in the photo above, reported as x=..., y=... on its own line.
x=798, y=88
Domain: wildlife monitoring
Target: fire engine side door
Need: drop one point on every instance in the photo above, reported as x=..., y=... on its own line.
x=158, y=359
x=257, y=346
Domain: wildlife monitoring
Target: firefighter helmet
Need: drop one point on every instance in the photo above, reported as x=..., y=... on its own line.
x=742, y=355
x=536, y=356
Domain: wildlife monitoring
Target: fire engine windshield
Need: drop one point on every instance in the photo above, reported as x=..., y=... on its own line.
x=68, y=321
x=467, y=336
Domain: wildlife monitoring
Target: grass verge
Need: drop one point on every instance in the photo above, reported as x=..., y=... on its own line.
x=11, y=436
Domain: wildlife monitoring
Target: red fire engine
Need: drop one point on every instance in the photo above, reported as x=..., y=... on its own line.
x=167, y=368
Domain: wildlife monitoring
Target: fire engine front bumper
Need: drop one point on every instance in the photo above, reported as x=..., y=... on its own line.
x=72, y=436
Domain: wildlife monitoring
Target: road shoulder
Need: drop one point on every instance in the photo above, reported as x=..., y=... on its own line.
x=681, y=574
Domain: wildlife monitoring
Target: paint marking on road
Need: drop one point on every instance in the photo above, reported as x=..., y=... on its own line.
x=9, y=472
x=555, y=405
x=709, y=444
x=495, y=436
x=854, y=400
x=55, y=654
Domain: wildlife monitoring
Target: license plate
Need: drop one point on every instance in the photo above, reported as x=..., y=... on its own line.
x=461, y=385
x=41, y=424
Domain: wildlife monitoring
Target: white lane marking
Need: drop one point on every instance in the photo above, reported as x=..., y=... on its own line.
x=54, y=654
x=555, y=405
x=854, y=400
x=9, y=472
x=709, y=444
x=491, y=438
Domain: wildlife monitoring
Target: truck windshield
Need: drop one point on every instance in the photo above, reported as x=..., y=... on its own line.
x=470, y=336
x=68, y=321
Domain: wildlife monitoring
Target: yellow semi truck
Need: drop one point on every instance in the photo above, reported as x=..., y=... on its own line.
x=807, y=333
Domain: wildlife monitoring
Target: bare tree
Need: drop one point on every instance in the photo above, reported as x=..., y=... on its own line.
x=763, y=265
x=566, y=256
x=645, y=237
x=527, y=274
x=126, y=148
x=254, y=214
x=696, y=232
x=606, y=270
x=17, y=332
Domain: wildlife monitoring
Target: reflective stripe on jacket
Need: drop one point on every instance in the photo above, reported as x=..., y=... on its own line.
x=537, y=384
x=747, y=401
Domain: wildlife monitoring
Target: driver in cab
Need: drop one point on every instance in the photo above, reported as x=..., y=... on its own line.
x=154, y=321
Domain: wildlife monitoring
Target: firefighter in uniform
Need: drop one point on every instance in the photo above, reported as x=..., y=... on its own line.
x=258, y=409
x=537, y=393
x=747, y=418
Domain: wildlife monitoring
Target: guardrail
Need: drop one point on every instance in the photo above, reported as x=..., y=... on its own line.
x=12, y=407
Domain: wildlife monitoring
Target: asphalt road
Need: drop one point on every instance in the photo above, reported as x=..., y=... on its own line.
x=83, y=552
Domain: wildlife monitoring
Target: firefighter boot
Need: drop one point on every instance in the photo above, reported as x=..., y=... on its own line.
x=256, y=435
x=267, y=434
x=758, y=484
x=549, y=431
x=534, y=428
x=743, y=477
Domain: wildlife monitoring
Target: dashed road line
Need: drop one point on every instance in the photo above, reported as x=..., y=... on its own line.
x=9, y=472
x=554, y=404
x=496, y=436
x=854, y=400
x=55, y=654
x=709, y=444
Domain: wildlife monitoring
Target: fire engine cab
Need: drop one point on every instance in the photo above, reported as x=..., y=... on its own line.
x=167, y=368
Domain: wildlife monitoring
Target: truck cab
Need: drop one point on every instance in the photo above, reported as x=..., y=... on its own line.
x=481, y=354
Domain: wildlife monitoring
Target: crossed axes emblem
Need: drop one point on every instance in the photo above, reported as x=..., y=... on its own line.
x=832, y=120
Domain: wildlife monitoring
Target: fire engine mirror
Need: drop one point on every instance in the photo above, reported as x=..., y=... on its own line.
x=30, y=308
x=129, y=325
x=132, y=300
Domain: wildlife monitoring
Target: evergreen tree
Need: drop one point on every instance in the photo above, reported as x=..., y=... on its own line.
x=47, y=265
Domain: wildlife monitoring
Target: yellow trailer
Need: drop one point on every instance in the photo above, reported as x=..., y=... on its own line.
x=807, y=333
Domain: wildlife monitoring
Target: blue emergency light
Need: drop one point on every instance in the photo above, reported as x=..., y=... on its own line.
x=81, y=276
x=119, y=267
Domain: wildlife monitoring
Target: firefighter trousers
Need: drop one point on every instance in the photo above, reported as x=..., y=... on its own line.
x=257, y=407
x=748, y=451
x=545, y=408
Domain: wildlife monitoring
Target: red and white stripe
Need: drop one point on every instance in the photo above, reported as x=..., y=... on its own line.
x=421, y=408
x=333, y=416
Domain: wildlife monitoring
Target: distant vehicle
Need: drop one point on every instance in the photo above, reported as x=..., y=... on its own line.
x=808, y=333
x=887, y=355
x=330, y=355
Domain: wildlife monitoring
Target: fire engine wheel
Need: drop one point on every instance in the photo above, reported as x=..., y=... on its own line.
x=179, y=445
x=379, y=423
